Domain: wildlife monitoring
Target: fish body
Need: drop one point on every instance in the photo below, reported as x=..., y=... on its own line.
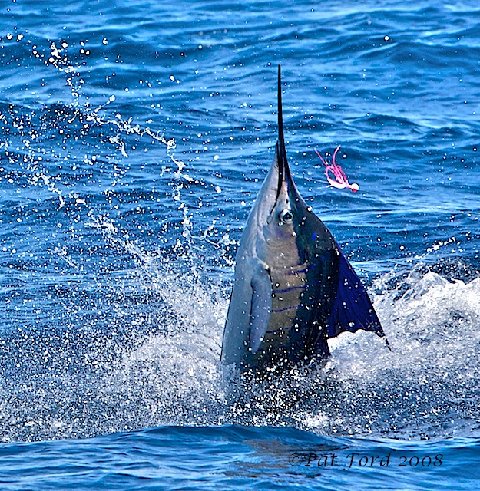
x=293, y=287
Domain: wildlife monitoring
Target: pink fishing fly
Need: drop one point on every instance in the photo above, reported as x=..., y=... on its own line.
x=336, y=177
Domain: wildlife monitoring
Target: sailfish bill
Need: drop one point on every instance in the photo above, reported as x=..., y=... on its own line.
x=293, y=286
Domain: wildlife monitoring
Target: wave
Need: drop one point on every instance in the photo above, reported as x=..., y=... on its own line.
x=148, y=355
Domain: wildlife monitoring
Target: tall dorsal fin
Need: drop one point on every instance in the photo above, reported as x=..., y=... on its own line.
x=281, y=140
x=283, y=168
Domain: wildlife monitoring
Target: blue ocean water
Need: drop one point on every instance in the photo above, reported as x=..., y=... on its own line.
x=134, y=138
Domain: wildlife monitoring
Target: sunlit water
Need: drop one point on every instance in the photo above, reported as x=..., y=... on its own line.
x=135, y=136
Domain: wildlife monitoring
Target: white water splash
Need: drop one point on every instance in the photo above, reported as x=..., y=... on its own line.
x=424, y=386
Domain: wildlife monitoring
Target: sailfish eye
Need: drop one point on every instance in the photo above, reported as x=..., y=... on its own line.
x=286, y=216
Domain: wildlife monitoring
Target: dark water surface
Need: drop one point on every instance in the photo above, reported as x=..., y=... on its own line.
x=134, y=138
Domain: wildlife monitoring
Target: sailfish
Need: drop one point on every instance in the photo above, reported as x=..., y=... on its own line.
x=293, y=286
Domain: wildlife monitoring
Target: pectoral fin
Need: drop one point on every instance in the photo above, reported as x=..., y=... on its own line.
x=260, y=308
x=352, y=309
